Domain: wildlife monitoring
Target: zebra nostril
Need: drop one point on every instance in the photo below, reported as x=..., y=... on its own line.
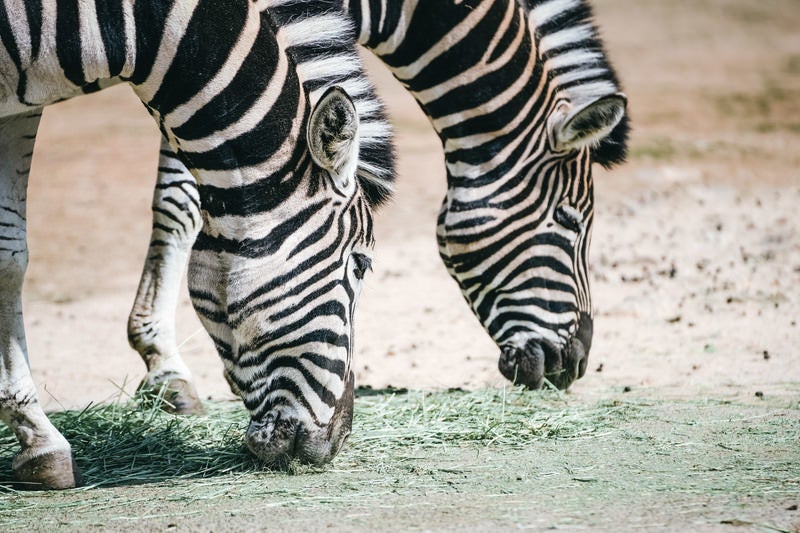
x=273, y=440
x=583, y=361
x=581, y=344
x=523, y=366
x=299, y=433
x=585, y=332
x=538, y=360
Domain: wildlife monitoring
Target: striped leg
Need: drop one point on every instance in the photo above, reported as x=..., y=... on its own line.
x=45, y=460
x=151, y=324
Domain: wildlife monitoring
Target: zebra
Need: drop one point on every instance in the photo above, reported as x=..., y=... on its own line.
x=522, y=114
x=524, y=100
x=266, y=104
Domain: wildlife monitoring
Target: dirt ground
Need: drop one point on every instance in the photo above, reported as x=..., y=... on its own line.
x=696, y=250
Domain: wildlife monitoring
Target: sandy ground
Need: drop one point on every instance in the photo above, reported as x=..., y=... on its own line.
x=696, y=251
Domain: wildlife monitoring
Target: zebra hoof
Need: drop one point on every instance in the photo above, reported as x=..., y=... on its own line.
x=49, y=471
x=179, y=396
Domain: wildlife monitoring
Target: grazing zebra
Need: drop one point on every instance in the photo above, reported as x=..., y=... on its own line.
x=286, y=206
x=524, y=101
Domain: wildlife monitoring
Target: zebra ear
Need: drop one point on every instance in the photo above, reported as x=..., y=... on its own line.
x=332, y=135
x=576, y=127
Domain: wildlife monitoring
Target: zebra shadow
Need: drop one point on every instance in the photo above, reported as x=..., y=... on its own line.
x=135, y=442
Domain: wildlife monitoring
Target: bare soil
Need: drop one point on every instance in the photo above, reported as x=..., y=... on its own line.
x=695, y=259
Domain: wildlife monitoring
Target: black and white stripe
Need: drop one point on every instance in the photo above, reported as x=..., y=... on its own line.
x=499, y=80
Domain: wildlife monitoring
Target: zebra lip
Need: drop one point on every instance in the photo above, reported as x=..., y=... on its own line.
x=572, y=363
x=278, y=437
x=277, y=444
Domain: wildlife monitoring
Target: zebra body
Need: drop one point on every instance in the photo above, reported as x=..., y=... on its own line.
x=524, y=101
x=286, y=205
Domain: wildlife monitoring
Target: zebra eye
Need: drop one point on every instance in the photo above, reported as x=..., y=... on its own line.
x=569, y=217
x=361, y=263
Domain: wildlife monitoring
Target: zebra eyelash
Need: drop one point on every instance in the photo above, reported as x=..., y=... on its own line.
x=569, y=217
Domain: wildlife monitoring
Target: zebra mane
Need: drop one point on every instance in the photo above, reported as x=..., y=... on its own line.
x=321, y=40
x=569, y=44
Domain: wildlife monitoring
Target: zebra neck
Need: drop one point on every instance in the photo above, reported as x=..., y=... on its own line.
x=244, y=147
x=470, y=65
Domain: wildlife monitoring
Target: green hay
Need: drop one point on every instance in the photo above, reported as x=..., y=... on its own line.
x=135, y=442
x=493, y=417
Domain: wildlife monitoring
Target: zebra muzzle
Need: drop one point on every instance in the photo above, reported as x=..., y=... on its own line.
x=538, y=360
x=280, y=438
x=273, y=440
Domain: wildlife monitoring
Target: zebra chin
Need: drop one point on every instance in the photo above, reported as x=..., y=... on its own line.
x=279, y=439
x=539, y=359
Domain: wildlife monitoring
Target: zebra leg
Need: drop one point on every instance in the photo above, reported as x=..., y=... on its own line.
x=45, y=460
x=151, y=324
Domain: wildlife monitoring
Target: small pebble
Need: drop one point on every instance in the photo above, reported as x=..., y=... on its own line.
x=626, y=388
x=759, y=394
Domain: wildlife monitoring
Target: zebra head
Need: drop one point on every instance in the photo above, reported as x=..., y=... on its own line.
x=518, y=245
x=301, y=394
x=285, y=327
x=524, y=100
